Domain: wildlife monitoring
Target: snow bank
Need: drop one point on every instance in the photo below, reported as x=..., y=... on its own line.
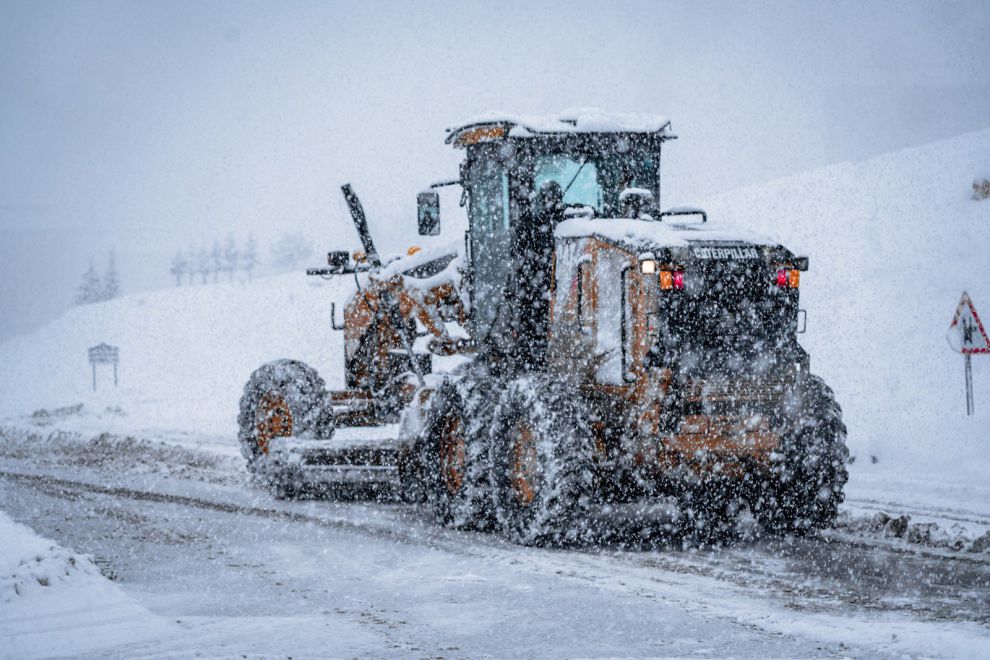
x=54, y=601
x=893, y=243
x=30, y=563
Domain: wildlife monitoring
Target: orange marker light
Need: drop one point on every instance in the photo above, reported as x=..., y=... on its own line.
x=666, y=280
x=479, y=134
x=788, y=278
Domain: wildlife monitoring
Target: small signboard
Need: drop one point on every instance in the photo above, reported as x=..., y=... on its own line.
x=104, y=354
x=968, y=336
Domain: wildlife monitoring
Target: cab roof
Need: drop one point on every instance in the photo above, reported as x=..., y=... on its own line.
x=498, y=125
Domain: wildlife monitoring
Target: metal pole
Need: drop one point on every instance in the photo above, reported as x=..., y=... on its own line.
x=94, y=376
x=115, y=374
x=969, y=385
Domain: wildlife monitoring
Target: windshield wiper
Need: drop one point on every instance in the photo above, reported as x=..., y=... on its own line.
x=584, y=161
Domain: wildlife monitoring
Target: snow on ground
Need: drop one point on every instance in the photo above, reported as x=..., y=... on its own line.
x=54, y=601
x=242, y=574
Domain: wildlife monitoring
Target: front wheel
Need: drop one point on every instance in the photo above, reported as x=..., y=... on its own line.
x=282, y=399
x=542, y=461
x=457, y=456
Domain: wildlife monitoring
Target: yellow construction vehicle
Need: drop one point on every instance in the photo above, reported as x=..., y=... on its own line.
x=613, y=354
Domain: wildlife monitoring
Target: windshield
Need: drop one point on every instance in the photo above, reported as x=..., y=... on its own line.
x=578, y=178
x=596, y=179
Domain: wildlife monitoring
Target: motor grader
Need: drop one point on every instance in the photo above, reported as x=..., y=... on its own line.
x=607, y=354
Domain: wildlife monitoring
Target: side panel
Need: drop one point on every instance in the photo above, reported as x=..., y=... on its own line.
x=571, y=347
x=610, y=280
x=598, y=321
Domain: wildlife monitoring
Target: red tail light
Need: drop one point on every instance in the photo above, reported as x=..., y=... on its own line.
x=788, y=278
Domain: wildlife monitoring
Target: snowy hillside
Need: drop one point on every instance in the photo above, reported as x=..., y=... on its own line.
x=893, y=242
x=185, y=353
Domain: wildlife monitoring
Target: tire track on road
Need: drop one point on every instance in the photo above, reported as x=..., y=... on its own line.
x=743, y=569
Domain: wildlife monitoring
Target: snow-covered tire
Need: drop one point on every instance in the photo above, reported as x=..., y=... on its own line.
x=284, y=398
x=708, y=513
x=542, y=456
x=807, y=481
x=456, y=463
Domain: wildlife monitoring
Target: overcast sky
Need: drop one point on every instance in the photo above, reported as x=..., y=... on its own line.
x=147, y=127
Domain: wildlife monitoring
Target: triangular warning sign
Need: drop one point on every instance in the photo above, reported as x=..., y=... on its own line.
x=966, y=334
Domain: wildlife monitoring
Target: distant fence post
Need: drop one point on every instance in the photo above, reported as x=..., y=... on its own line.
x=104, y=354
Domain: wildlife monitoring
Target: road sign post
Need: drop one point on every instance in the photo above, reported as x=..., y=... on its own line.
x=104, y=354
x=969, y=385
x=968, y=336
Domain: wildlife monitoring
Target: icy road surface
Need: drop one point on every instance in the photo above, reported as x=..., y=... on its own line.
x=233, y=572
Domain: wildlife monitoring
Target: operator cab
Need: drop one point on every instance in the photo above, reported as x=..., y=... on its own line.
x=592, y=160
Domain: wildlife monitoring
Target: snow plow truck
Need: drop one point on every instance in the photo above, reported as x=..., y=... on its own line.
x=603, y=354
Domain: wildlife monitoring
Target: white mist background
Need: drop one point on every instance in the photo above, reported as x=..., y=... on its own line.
x=155, y=126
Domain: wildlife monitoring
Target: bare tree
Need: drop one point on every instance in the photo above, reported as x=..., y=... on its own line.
x=203, y=264
x=230, y=257
x=249, y=257
x=216, y=260
x=180, y=266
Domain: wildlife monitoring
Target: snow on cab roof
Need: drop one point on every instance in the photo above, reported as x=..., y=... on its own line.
x=650, y=234
x=496, y=125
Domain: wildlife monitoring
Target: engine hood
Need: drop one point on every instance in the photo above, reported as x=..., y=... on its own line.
x=708, y=240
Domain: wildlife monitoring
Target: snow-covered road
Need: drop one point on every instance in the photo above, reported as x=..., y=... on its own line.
x=232, y=571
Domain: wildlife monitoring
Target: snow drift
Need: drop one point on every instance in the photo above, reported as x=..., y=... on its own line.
x=54, y=601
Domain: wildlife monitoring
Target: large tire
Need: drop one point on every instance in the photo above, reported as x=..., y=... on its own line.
x=708, y=513
x=805, y=489
x=457, y=464
x=284, y=398
x=542, y=461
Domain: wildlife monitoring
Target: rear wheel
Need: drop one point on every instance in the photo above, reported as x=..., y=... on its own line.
x=708, y=512
x=805, y=488
x=282, y=399
x=457, y=458
x=542, y=459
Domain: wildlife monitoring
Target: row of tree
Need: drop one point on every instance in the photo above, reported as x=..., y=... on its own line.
x=97, y=288
x=229, y=258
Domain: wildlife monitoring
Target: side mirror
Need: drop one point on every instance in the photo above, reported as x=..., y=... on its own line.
x=428, y=213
